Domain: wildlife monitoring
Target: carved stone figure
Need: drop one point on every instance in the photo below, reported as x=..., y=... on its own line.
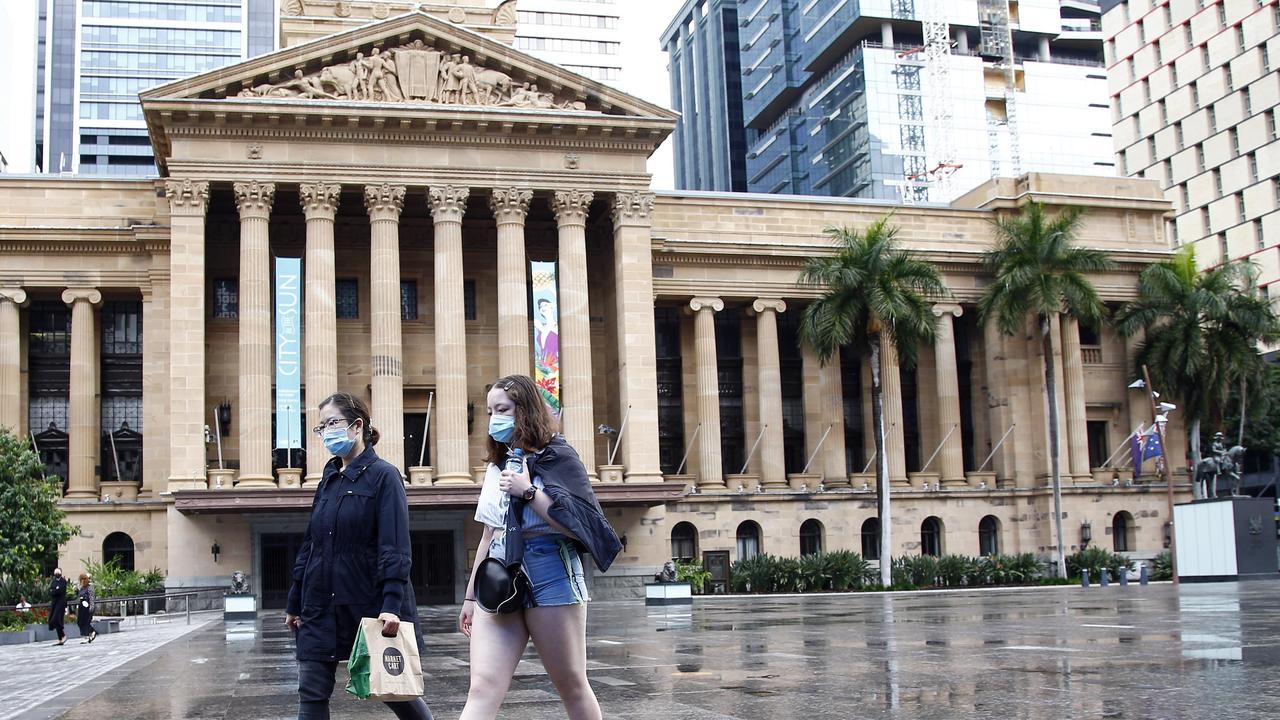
x=419, y=71
x=291, y=7
x=383, y=83
x=239, y=582
x=668, y=572
x=493, y=85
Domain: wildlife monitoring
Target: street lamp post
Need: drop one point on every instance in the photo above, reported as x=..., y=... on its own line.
x=1168, y=473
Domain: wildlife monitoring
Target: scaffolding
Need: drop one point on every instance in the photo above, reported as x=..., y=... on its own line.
x=996, y=45
x=928, y=167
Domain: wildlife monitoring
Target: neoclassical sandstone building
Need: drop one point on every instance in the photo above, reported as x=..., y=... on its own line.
x=416, y=165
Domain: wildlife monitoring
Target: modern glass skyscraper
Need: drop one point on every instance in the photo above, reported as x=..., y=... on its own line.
x=584, y=36
x=95, y=56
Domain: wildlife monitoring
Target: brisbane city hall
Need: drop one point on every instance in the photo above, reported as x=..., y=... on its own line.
x=142, y=326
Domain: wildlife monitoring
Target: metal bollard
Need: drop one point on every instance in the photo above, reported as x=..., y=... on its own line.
x=1084, y=578
x=188, y=597
x=1103, y=580
x=1124, y=577
x=1142, y=574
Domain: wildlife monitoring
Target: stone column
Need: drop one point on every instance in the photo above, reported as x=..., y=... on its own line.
x=84, y=410
x=998, y=386
x=638, y=365
x=11, y=360
x=773, y=469
x=510, y=205
x=1076, y=430
x=578, y=415
x=155, y=400
x=951, y=456
x=891, y=399
x=449, y=421
x=254, y=201
x=824, y=413
x=710, y=474
x=384, y=203
x=319, y=205
x=1060, y=380
x=188, y=201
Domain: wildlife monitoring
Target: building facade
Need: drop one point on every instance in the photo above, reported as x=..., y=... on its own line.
x=837, y=98
x=137, y=327
x=1195, y=94
x=582, y=36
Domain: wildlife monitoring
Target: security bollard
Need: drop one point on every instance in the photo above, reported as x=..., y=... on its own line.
x=1142, y=574
x=1084, y=578
x=1124, y=577
x=1103, y=580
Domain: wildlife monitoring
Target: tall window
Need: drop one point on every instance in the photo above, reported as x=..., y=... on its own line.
x=989, y=536
x=1096, y=432
x=748, y=540
x=851, y=395
x=791, y=368
x=408, y=299
x=871, y=538
x=226, y=299
x=347, y=298
x=931, y=537
x=121, y=407
x=1122, y=532
x=910, y=417
x=119, y=547
x=729, y=367
x=666, y=322
x=810, y=537
x=49, y=381
x=684, y=542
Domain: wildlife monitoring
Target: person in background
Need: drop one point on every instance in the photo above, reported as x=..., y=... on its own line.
x=58, y=605
x=22, y=605
x=86, y=603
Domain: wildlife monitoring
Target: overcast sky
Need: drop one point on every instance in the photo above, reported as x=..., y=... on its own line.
x=644, y=68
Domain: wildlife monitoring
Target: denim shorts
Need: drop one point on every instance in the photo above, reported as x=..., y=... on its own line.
x=555, y=571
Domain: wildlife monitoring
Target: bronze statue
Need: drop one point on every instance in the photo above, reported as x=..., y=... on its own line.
x=1225, y=463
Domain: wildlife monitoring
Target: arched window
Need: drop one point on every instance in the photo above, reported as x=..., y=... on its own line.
x=748, y=540
x=989, y=536
x=931, y=537
x=684, y=542
x=871, y=539
x=1122, y=532
x=810, y=537
x=119, y=547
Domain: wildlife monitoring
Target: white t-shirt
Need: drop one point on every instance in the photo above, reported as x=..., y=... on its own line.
x=492, y=507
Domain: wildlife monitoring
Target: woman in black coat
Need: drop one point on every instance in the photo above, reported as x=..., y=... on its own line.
x=86, y=603
x=354, y=561
x=58, y=606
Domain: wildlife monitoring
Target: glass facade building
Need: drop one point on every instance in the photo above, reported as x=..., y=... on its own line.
x=95, y=56
x=583, y=36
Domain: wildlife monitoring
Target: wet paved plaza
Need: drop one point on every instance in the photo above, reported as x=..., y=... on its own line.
x=1156, y=652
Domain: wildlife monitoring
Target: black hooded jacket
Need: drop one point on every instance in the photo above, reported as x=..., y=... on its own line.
x=573, y=502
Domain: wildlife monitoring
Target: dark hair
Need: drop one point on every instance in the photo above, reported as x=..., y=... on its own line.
x=543, y=301
x=535, y=425
x=353, y=409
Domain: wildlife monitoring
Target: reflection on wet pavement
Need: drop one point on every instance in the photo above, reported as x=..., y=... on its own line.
x=1153, y=652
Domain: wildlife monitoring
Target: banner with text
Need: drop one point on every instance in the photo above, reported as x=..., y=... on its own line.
x=288, y=311
x=546, y=333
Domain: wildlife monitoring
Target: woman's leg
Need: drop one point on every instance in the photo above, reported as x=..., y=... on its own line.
x=411, y=710
x=497, y=642
x=315, y=685
x=559, y=633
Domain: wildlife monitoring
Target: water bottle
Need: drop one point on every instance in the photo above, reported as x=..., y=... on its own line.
x=514, y=464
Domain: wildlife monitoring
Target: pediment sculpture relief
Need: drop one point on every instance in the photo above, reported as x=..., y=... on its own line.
x=414, y=73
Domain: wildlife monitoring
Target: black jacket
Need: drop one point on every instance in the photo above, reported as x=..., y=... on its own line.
x=355, y=557
x=57, y=602
x=573, y=502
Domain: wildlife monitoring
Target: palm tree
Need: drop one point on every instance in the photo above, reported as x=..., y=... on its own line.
x=1040, y=272
x=1202, y=331
x=874, y=292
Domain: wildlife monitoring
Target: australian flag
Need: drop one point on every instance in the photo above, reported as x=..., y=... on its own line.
x=1144, y=445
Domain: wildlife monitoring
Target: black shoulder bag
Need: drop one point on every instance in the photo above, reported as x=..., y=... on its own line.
x=502, y=587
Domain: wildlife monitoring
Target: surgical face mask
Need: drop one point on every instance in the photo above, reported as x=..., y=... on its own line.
x=337, y=442
x=502, y=427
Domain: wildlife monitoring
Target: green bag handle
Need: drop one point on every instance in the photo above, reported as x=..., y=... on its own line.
x=358, y=667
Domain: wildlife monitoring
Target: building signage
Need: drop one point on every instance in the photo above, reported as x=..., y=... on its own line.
x=288, y=353
x=546, y=333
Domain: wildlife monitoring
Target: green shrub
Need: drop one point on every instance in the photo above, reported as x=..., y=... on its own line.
x=35, y=590
x=846, y=570
x=1007, y=569
x=918, y=570
x=694, y=574
x=1162, y=567
x=1094, y=559
x=754, y=575
x=957, y=570
x=15, y=621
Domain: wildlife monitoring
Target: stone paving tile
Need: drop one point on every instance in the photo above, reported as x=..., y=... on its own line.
x=1202, y=651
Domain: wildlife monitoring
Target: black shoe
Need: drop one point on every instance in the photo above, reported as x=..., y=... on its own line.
x=93, y=636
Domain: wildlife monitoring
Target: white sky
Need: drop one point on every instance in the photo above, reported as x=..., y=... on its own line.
x=644, y=69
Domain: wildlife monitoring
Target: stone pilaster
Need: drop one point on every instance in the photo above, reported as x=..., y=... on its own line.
x=773, y=469
x=951, y=456
x=452, y=454
x=155, y=399
x=1076, y=430
x=826, y=398
x=319, y=205
x=891, y=399
x=254, y=199
x=510, y=206
x=1060, y=381
x=710, y=473
x=578, y=416
x=638, y=366
x=84, y=411
x=188, y=202
x=11, y=299
x=384, y=203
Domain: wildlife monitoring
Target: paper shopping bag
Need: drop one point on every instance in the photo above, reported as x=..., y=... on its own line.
x=387, y=669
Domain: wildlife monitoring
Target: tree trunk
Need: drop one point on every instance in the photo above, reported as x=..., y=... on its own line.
x=1051, y=389
x=882, y=466
x=1194, y=440
x=1244, y=388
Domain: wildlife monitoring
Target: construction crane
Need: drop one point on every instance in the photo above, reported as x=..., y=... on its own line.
x=940, y=163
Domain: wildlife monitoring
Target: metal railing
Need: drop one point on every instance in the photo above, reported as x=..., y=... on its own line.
x=137, y=606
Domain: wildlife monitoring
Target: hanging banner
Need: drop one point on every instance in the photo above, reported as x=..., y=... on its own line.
x=546, y=334
x=288, y=311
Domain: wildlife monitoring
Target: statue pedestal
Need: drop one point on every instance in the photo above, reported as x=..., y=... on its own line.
x=239, y=607
x=1226, y=539
x=664, y=593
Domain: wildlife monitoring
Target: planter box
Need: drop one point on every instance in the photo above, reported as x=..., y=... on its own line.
x=676, y=593
x=804, y=482
x=611, y=473
x=421, y=475
x=21, y=637
x=238, y=607
x=748, y=481
x=289, y=477
x=222, y=479
x=120, y=491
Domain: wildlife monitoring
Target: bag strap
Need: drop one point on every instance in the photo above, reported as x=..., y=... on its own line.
x=515, y=535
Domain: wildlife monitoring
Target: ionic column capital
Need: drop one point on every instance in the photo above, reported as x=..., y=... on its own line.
x=714, y=304
x=448, y=203
x=384, y=202
x=774, y=304
x=254, y=199
x=510, y=205
x=187, y=196
x=940, y=309
x=632, y=207
x=571, y=207
x=319, y=199
x=17, y=296
x=71, y=296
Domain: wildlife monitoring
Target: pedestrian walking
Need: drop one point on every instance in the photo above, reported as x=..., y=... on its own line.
x=354, y=561
x=544, y=501
x=58, y=605
x=86, y=603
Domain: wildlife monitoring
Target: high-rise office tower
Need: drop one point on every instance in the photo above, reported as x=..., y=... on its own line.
x=859, y=99
x=584, y=36
x=95, y=56
x=1194, y=93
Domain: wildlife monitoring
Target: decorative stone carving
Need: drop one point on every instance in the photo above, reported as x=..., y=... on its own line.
x=571, y=206
x=571, y=161
x=416, y=73
x=291, y=7
x=381, y=11
x=505, y=14
x=447, y=202
x=319, y=197
x=457, y=15
x=254, y=198
x=714, y=303
x=632, y=206
x=384, y=199
x=187, y=193
x=510, y=204
x=342, y=9
x=774, y=304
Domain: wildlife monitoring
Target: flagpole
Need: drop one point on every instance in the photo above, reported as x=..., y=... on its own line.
x=1168, y=474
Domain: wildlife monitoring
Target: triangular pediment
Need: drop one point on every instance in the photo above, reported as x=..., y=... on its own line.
x=409, y=62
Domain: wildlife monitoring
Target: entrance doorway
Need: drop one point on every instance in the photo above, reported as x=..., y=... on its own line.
x=432, y=572
x=278, y=553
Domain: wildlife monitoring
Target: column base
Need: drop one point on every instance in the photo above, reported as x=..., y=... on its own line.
x=985, y=480
x=454, y=479
x=181, y=483
x=250, y=482
x=312, y=480
x=713, y=483
x=289, y=477
x=863, y=482
x=836, y=481
x=804, y=482
x=645, y=477
x=611, y=473
x=900, y=483
x=955, y=482
x=82, y=495
x=742, y=483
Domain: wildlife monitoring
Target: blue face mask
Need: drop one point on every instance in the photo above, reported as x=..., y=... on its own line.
x=502, y=427
x=337, y=442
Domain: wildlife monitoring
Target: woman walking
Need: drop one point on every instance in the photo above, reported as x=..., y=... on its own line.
x=87, y=603
x=551, y=501
x=58, y=606
x=354, y=561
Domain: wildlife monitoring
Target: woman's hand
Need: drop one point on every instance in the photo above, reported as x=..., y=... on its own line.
x=293, y=622
x=465, y=617
x=390, y=624
x=515, y=483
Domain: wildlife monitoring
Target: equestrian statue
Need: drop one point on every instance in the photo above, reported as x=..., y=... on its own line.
x=1225, y=463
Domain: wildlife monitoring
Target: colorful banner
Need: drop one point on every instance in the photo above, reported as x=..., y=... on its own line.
x=288, y=312
x=546, y=333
